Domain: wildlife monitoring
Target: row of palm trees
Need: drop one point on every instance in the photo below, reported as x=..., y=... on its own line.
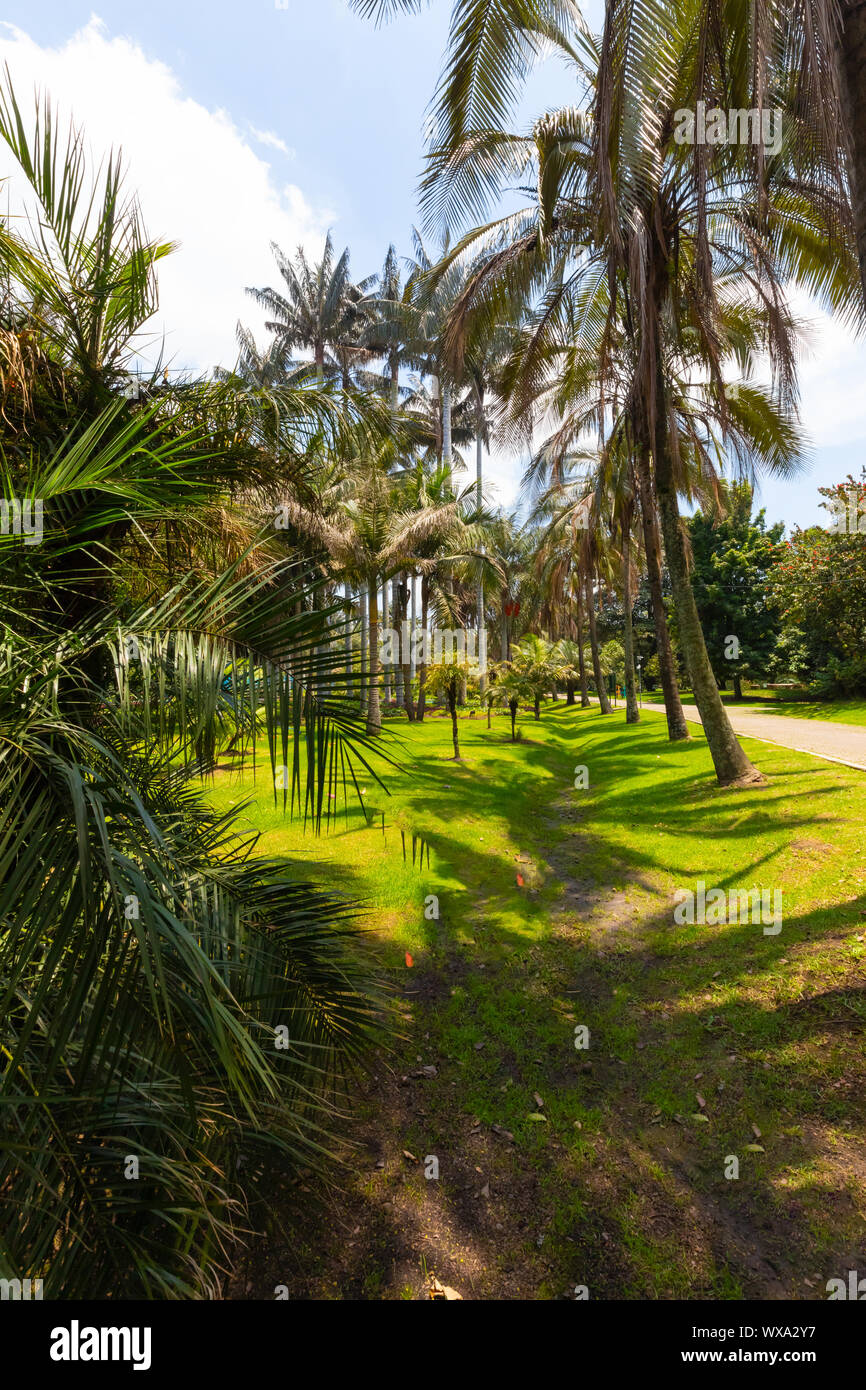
x=648, y=280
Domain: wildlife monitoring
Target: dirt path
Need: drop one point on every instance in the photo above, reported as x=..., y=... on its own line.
x=838, y=743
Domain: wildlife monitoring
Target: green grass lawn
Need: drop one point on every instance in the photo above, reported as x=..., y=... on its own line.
x=851, y=711
x=705, y=1042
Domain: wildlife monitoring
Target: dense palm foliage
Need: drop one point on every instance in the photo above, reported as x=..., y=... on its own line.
x=176, y=1010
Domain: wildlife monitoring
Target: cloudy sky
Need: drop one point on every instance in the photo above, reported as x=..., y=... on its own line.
x=257, y=121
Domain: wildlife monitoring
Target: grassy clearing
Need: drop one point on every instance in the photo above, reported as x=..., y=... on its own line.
x=621, y=1186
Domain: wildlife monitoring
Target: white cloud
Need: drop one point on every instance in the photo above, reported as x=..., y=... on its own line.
x=833, y=403
x=272, y=140
x=199, y=182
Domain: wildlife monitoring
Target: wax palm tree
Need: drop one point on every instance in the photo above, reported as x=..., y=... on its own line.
x=670, y=240
x=320, y=310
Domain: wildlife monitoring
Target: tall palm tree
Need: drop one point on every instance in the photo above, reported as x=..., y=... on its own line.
x=320, y=310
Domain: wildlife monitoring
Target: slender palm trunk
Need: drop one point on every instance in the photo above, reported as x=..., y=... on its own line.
x=365, y=618
x=569, y=692
x=452, y=706
x=603, y=701
x=731, y=764
x=349, y=656
x=851, y=60
x=479, y=478
x=406, y=629
x=538, y=707
x=446, y=423
x=632, y=710
x=422, y=665
x=581, y=659
x=397, y=621
x=374, y=713
x=512, y=709
x=386, y=675
x=677, y=726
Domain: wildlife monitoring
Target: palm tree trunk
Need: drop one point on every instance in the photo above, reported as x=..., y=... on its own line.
x=603, y=701
x=512, y=707
x=349, y=617
x=374, y=713
x=538, y=707
x=413, y=579
x=851, y=60
x=479, y=491
x=365, y=698
x=386, y=675
x=569, y=692
x=581, y=659
x=731, y=764
x=677, y=727
x=452, y=705
x=397, y=623
x=446, y=423
x=406, y=655
x=632, y=711
x=422, y=665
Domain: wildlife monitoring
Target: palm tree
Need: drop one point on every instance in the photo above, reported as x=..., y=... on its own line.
x=320, y=311
x=445, y=678
x=542, y=664
x=369, y=538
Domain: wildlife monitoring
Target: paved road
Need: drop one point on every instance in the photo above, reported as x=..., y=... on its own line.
x=838, y=743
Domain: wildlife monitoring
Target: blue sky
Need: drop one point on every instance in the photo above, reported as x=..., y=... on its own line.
x=245, y=122
x=347, y=98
